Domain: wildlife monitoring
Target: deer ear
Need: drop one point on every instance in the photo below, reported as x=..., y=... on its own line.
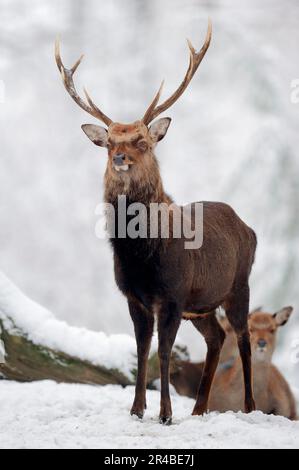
x=281, y=317
x=255, y=310
x=97, y=134
x=159, y=128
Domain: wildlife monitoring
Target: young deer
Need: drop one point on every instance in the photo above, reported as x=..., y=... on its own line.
x=271, y=391
x=159, y=276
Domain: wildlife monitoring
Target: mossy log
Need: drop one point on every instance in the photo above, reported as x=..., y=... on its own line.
x=27, y=362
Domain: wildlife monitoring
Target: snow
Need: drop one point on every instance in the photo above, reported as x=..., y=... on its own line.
x=116, y=351
x=243, y=148
x=48, y=415
x=113, y=351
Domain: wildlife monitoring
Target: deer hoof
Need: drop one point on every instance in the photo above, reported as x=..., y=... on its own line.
x=198, y=411
x=138, y=413
x=166, y=420
x=250, y=406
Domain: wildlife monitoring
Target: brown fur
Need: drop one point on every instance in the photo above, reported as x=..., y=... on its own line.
x=159, y=276
x=144, y=183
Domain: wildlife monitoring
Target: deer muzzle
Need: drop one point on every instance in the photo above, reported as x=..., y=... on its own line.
x=119, y=162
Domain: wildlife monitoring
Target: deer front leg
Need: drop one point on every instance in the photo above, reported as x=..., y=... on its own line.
x=143, y=325
x=214, y=337
x=169, y=318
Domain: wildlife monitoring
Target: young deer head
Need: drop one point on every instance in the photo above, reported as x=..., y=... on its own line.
x=130, y=146
x=263, y=329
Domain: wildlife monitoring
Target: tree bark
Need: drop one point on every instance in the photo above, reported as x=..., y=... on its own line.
x=26, y=362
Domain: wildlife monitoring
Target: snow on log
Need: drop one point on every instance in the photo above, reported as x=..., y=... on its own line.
x=34, y=345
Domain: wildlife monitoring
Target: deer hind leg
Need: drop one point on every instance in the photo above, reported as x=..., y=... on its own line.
x=237, y=308
x=214, y=336
x=143, y=325
x=169, y=318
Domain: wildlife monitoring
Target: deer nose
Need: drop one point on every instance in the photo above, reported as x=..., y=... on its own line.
x=261, y=343
x=118, y=159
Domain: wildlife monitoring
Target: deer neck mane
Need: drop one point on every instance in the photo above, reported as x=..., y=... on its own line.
x=145, y=188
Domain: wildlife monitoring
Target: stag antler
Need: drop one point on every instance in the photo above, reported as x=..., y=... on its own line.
x=195, y=59
x=67, y=78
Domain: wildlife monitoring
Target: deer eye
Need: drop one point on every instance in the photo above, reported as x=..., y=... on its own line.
x=142, y=145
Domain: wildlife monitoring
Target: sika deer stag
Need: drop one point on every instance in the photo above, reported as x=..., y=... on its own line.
x=160, y=276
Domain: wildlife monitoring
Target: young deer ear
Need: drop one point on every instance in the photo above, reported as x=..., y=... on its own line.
x=159, y=128
x=97, y=134
x=282, y=316
x=255, y=310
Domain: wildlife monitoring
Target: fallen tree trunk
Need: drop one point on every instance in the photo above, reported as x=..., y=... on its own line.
x=25, y=361
x=34, y=345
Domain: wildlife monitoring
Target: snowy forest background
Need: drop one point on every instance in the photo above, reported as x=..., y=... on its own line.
x=234, y=137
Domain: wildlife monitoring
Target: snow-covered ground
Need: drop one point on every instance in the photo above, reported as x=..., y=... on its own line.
x=47, y=415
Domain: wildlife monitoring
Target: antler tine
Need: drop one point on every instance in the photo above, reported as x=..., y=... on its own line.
x=96, y=110
x=195, y=60
x=148, y=113
x=76, y=64
x=67, y=78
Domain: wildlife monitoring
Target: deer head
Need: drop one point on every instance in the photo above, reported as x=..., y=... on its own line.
x=263, y=330
x=130, y=146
